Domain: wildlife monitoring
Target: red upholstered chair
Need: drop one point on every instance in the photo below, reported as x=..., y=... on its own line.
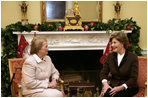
x=15, y=66
x=142, y=77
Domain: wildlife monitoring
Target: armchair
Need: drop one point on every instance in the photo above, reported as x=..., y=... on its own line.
x=142, y=77
x=15, y=67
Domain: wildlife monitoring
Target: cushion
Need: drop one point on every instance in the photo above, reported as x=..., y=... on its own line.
x=142, y=75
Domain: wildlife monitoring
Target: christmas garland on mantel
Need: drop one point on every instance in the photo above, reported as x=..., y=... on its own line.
x=10, y=43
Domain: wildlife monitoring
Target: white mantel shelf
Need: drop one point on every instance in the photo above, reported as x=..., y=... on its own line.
x=66, y=32
x=70, y=40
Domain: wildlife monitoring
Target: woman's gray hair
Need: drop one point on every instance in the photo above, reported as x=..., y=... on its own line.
x=36, y=44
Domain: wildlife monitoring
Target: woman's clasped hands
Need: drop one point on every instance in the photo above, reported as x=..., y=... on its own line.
x=52, y=84
x=112, y=91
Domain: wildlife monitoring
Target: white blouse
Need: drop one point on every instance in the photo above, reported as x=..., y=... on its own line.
x=120, y=57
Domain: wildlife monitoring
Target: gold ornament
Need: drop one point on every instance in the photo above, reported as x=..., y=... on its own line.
x=24, y=12
x=117, y=7
x=73, y=19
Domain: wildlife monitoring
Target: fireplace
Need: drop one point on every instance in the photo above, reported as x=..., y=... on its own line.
x=77, y=65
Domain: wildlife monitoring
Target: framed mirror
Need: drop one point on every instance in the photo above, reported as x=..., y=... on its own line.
x=55, y=11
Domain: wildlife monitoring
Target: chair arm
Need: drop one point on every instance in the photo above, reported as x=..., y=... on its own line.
x=61, y=84
x=19, y=90
x=18, y=87
x=146, y=89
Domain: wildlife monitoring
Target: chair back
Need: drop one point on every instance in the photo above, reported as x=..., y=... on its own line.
x=142, y=75
x=15, y=67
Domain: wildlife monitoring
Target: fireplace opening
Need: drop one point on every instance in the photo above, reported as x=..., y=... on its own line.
x=78, y=65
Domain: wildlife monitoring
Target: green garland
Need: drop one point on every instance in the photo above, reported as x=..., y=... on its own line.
x=10, y=43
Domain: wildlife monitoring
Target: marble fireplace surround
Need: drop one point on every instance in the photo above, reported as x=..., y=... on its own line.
x=70, y=40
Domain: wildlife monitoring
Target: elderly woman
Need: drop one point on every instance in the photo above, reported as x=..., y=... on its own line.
x=123, y=66
x=37, y=70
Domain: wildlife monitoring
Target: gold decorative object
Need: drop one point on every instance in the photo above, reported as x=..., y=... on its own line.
x=97, y=93
x=78, y=92
x=117, y=7
x=24, y=6
x=73, y=19
x=88, y=93
x=76, y=9
x=68, y=95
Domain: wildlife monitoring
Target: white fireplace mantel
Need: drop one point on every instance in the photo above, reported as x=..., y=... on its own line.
x=71, y=40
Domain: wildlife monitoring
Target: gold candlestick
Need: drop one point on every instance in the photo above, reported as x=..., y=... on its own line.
x=24, y=6
x=117, y=7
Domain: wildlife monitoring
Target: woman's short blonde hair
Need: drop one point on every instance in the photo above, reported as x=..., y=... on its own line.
x=121, y=37
x=36, y=44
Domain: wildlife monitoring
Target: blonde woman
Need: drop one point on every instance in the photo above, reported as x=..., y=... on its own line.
x=37, y=70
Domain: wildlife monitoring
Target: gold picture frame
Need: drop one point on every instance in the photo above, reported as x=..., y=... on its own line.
x=44, y=17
